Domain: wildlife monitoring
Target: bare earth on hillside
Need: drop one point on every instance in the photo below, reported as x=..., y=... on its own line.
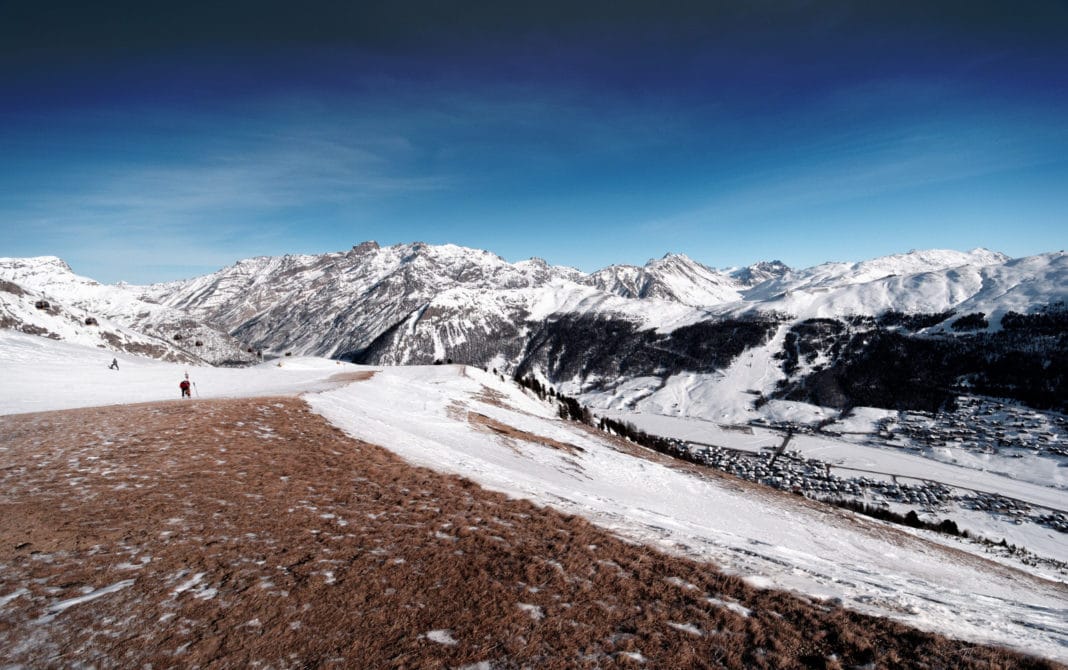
x=252, y=533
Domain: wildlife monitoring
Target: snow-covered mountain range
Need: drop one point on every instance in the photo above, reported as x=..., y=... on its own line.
x=123, y=317
x=616, y=337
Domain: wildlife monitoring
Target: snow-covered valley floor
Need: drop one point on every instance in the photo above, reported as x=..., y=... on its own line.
x=466, y=422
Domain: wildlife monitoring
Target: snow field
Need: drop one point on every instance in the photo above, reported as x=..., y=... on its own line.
x=42, y=375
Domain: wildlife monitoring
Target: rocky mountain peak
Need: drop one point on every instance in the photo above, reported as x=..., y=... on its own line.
x=757, y=273
x=366, y=247
x=36, y=268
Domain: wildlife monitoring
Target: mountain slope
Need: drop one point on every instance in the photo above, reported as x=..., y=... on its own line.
x=1022, y=284
x=456, y=420
x=339, y=303
x=253, y=568
x=128, y=306
x=837, y=275
x=27, y=311
x=517, y=446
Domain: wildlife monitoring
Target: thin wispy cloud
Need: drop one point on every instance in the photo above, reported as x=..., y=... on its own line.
x=217, y=195
x=584, y=135
x=935, y=146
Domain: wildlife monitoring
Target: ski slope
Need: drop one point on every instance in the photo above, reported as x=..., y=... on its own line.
x=42, y=374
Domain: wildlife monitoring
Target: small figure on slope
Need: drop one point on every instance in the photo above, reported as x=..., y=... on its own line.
x=184, y=385
x=114, y=364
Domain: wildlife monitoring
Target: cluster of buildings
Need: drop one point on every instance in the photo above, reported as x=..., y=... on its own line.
x=978, y=424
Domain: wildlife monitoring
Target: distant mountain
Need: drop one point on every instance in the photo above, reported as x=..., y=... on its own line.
x=674, y=277
x=338, y=303
x=127, y=307
x=624, y=335
x=917, y=282
x=31, y=312
x=759, y=273
x=914, y=262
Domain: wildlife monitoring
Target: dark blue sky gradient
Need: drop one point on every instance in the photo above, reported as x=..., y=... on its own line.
x=148, y=145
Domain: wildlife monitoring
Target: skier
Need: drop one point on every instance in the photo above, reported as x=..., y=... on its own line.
x=185, y=388
x=114, y=364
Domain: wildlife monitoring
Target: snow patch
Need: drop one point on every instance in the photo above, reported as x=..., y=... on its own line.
x=442, y=636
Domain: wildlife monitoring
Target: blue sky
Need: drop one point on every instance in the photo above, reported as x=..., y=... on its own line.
x=145, y=145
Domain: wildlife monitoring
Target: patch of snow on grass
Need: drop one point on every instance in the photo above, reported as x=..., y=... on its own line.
x=734, y=607
x=686, y=628
x=189, y=583
x=441, y=636
x=91, y=595
x=11, y=596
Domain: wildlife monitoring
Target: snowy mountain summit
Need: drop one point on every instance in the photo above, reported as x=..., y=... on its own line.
x=759, y=273
x=675, y=277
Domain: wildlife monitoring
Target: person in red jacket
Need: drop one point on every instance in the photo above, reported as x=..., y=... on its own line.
x=185, y=388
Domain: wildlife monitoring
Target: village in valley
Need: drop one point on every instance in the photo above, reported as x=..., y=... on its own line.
x=983, y=430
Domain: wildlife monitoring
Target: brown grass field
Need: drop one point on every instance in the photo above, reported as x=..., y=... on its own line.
x=251, y=533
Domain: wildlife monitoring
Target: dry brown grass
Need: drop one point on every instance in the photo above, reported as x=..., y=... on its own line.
x=486, y=423
x=348, y=377
x=251, y=532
